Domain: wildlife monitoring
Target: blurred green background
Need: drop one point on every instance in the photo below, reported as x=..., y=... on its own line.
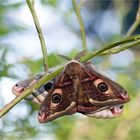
x=20, y=57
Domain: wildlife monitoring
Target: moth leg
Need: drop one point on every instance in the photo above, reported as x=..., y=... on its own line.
x=44, y=94
x=35, y=100
x=40, y=94
x=38, y=97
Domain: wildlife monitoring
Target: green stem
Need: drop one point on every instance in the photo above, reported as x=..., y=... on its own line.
x=48, y=77
x=108, y=47
x=135, y=24
x=40, y=34
x=82, y=28
x=132, y=28
x=121, y=48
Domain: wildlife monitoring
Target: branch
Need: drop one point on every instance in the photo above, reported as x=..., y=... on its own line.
x=40, y=34
x=48, y=77
x=110, y=46
x=132, y=28
x=135, y=24
x=82, y=28
x=121, y=48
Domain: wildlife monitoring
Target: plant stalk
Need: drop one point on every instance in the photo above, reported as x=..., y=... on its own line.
x=82, y=27
x=40, y=34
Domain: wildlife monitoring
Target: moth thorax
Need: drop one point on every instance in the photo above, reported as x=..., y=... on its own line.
x=73, y=68
x=74, y=76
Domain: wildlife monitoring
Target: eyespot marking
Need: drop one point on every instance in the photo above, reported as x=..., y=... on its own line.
x=102, y=87
x=56, y=98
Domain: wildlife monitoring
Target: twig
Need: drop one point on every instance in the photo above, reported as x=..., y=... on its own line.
x=135, y=24
x=82, y=28
x=48, y=77
x=109, y=47
x=40, y=34
x=132, y=28
x=121, y=48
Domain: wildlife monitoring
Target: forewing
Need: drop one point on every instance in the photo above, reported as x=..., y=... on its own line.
x=98, y=92
x=105, y=90
x=59, y=101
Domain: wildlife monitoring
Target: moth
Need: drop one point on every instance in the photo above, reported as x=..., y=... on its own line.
x=37, y=95
x=79, y=88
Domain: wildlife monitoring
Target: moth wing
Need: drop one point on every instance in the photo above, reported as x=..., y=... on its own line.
x=98, y=91
x=59, y=100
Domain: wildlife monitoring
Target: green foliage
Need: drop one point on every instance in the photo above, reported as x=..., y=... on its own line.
x=8, y=25
x=51, y=2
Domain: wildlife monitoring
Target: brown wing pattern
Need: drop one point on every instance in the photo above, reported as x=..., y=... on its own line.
x=59, y=101
x=79, y=88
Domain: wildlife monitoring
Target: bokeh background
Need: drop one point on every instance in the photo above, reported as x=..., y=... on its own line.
x=21, y=57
